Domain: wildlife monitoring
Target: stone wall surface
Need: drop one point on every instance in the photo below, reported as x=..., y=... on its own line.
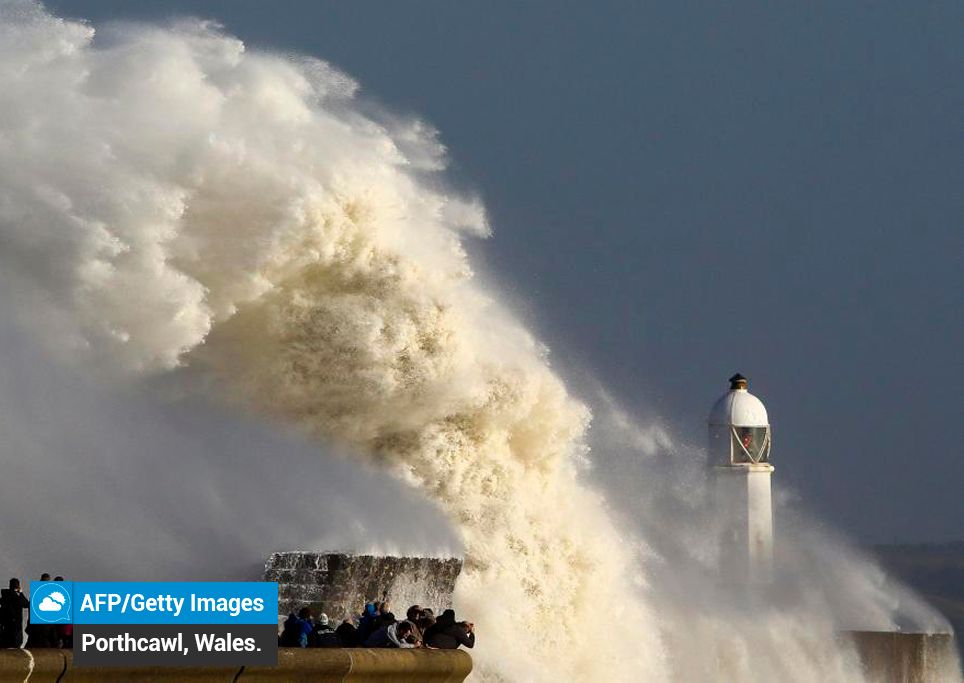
x=357, y=665
x=339, y=584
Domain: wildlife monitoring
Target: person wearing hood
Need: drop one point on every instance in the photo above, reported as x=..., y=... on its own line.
x=324, y=635
x=290, y=632
x=297, y=629
x=394, y=635
x=12, y=604
x=402, y=635
x=447, y=634
x=368, y=622
x=377, y=635
x=307, y=626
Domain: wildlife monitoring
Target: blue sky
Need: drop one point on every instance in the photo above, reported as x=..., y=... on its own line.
x=684, y=190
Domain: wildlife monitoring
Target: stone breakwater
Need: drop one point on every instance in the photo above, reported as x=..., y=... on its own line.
x=339, y=584
x=897, y=657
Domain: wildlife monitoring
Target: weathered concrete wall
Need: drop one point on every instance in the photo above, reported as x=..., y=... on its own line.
x=896, y=657
x=42, y=666
x=339, y=584
x=886, y=657
x=359, y=665
x=364, y=665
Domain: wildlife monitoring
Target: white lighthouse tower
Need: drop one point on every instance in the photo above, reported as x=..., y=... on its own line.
x=739, y=456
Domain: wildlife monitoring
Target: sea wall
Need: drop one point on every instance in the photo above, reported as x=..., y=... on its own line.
x=340, y=584
x=897, y=657
x=359, y=665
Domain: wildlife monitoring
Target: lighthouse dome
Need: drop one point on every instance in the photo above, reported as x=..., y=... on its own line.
x=738, y=407
x=739, y=427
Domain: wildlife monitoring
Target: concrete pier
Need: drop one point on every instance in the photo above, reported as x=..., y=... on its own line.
x=355, y=665
x=899, y=657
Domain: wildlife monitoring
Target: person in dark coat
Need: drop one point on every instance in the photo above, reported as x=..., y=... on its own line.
x=41, y=635
x=425, y=622
x=324, y=635
x=64, y=636
x=290, y=632
x=368, y=621
x=297, y=629
x=12, y=604
x=378, y=634
x=347, y=635
x=447, y=634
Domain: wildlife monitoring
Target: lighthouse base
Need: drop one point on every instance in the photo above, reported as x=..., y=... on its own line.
x=899, y=657
x=742, y=500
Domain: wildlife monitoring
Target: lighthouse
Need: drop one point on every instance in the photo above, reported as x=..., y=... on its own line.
x=739, y=463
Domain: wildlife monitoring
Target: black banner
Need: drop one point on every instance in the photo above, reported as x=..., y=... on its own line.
x=175, y=645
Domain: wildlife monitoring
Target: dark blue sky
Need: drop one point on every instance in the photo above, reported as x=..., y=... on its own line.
x=683, y=190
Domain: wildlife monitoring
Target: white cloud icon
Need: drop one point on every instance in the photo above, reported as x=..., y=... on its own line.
x=52, y=603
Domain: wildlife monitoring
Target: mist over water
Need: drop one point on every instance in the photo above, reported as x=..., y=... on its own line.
x=714, y=630
x=179, y=213
x=129, y=484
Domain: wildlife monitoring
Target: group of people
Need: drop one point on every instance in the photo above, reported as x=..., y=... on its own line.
x=377, y=627
x=12, y=605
